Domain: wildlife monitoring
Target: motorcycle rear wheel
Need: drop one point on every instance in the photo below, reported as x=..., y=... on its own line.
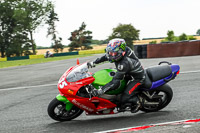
x=167, y=93
x=56, y=110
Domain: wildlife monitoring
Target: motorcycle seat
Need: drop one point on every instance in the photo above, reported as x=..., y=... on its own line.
x=156, y=73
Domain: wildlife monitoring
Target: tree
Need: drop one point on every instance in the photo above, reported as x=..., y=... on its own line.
x=80, y=38
x=74, y=45
x=26, y=48
x=170, y=36
x=58, y=45
x=36, y=13
x=6, y=25
x=52, y=18
x=18, y=18
x=12, y=32
x=19, y=41
x=183, y=37
x=127, y=32
x=198, y=32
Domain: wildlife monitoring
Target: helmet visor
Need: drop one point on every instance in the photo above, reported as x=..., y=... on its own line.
x=112, y=53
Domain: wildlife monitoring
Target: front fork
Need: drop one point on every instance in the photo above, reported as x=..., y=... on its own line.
x=68, y=104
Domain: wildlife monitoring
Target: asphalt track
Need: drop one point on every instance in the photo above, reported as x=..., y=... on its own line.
x=26, y=91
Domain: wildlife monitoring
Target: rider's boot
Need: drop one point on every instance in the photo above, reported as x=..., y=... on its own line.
x=125, y=107
x=132, y=105
x=135, y=108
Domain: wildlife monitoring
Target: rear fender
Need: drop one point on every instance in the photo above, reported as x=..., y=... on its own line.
x=175, y=71
x=68, y=104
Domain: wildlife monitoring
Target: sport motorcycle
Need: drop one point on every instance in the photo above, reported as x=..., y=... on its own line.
x=76, y=84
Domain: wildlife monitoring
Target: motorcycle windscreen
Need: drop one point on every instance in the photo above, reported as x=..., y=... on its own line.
x=103, y=77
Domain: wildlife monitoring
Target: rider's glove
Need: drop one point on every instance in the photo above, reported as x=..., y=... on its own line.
x=91, y=64
x=97, y=93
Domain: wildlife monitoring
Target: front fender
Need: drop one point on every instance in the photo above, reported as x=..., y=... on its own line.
x=68, y=104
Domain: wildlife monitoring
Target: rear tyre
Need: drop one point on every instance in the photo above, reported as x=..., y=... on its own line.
x=166, y=92
x=56, y=110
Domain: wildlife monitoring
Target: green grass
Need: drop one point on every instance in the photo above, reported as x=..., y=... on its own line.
x=6, y=64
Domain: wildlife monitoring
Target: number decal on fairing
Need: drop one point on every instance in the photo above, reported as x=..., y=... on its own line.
x=62, y=83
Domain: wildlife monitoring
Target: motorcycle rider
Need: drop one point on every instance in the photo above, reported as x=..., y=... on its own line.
x=48, y=54
x=126, y=63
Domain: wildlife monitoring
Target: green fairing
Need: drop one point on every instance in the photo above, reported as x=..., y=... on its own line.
x=69, y=105
x=103, y=77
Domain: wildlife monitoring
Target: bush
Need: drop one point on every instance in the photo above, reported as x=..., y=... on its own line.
x=153, y=42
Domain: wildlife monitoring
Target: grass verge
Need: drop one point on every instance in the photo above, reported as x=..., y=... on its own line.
x=6, y=64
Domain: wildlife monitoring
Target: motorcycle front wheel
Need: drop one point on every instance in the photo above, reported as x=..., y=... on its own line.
x=56, y=110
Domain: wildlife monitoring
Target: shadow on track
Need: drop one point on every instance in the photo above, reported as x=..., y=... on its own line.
x=94, y=123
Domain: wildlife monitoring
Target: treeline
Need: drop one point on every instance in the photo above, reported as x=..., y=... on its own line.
x=99, y=42
x=172, y=38
x=19, y=19
x=182, y=37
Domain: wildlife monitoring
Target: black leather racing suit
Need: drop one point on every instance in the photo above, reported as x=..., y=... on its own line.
x=128, y=65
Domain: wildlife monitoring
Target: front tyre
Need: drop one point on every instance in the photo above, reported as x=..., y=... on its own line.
x=56, y=110
x=166, y=92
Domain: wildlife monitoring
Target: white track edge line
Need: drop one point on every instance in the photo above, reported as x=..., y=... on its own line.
x=164, y=123
x=26, y=87
x=197, y=71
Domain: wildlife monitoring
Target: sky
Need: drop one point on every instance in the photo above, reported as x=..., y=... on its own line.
x=152, y=17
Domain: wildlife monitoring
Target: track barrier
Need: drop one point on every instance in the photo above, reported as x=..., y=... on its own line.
x=141, y=51
x=17, y=58
x=65, y=54
x=91, y=52
x=36, y=56
x=3, y=59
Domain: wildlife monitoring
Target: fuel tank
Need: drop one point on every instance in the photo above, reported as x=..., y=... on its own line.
x=103, y=77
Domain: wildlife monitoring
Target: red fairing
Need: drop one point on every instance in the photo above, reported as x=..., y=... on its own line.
x=94, y=105
x=64, y=86
x=87, y=81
